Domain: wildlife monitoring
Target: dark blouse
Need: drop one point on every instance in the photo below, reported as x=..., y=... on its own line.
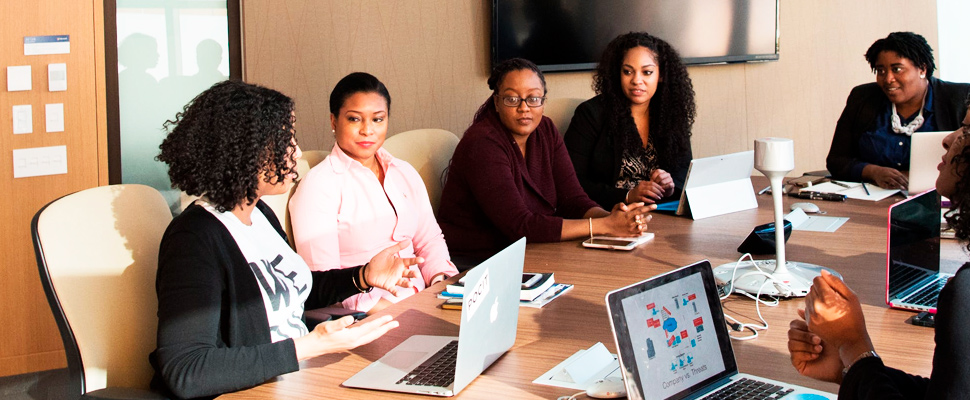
x=493, y=195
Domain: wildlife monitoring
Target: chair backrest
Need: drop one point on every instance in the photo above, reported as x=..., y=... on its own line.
x=560, y=111
x=279, y=202
x=97, y=252
x=429, y=151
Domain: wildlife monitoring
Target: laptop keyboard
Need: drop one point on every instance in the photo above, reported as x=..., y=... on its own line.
x=928, y=295
x=745, y=388
x=439, y=370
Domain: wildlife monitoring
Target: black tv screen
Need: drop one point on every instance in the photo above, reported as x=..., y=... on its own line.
x=565, y=35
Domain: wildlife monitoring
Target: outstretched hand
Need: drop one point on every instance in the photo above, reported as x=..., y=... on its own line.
x=339, y=335
x=388, y=271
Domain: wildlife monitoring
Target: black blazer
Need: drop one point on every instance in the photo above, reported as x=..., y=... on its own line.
x=867, y=101
x=597, y=154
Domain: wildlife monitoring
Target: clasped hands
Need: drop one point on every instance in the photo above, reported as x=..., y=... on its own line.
x=831, y=332
x=659, y=186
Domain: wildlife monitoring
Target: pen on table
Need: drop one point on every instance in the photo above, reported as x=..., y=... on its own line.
x=765, y=190
x=840, y=184
x=865, y=188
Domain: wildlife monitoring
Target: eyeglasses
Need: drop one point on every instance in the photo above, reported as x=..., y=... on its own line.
x=512, y=101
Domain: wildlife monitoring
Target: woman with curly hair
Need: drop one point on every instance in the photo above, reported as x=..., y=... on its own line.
x=361, y=199
x=231, y=292
x=830, y=342
x=872, y=137
x=631, y=143
x=510, y=177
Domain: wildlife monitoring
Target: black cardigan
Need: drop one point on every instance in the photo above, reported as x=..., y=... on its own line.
x=597, y=155
x=864, y=105
x=871, y=379
x=213, y=333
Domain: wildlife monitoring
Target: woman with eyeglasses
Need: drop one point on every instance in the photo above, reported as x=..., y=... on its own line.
x=511, y=177
x=631, y=143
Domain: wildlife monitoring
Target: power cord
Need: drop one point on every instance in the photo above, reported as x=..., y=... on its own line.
x=737, y=325
x=573, y=397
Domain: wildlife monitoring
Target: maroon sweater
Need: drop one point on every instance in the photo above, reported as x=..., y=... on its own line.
x=493, y=196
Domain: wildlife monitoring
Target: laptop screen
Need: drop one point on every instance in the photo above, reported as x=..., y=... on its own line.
x=914, y=241
x=670, y=334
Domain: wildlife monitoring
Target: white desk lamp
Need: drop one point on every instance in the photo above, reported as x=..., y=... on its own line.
x=774, y=157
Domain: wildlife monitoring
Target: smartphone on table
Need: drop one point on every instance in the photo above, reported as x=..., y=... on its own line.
x=617, y=243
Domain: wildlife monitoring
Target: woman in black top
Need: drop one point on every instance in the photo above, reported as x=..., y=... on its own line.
x=231, y=292
x=830, y=341
x=631, y=143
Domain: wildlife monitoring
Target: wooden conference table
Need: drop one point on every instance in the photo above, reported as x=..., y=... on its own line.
x=578, y=319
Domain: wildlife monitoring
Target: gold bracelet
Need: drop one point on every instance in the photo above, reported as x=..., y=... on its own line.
x=590, y=228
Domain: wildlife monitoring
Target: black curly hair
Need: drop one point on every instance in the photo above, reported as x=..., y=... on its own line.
x=498, y=75
x=672, y=108
x=960, y=199
x=357, y=82
x=226, y=139
x=908, y=45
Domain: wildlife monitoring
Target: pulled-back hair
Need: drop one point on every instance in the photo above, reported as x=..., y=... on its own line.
x=357, y=82
x=908, y=45
x=672, y=108
x=498, y=75
x=226, y=139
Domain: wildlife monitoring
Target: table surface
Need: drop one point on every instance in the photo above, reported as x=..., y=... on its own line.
x=579, y=319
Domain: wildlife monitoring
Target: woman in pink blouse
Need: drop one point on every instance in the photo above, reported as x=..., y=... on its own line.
x=360, y=199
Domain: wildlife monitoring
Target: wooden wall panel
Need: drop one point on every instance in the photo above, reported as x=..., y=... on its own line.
x=29, y=340
x=434, y=54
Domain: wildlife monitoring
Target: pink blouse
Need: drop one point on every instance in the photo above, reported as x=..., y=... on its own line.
x=342, y=216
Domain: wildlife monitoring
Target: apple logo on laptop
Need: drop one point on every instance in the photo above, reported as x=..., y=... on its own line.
x=493, y=314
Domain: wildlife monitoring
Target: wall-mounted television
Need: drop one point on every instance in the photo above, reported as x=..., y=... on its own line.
x=569, y=35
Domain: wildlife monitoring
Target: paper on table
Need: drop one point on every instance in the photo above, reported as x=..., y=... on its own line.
x=853, y=191
x=802, y=222
x=584, y=366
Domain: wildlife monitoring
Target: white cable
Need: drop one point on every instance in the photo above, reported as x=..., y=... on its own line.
x=573, y=397
x=754, y=328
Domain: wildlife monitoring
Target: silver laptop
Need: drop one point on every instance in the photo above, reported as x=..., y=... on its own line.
x=673, y=343
x=913, y=277
x=925, y=152
x=444, y=365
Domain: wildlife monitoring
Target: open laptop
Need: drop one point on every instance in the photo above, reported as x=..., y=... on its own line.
x=925, y=152
x=913, y=277
x=673, y=342
x=718, y=185
x=444, y=365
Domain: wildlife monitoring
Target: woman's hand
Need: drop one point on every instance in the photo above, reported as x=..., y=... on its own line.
x=628, y=219
x=388, y=271
x=337, y=336
x=834, y=313
x=662, y=178
x=810, y=355
x=646, y=192
x=885, y=177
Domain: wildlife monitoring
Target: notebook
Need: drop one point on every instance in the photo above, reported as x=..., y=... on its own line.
x=913, y=277
x=673, y=343
x=444, y=365
x=925, y=153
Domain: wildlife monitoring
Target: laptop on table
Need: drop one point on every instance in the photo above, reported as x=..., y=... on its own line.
x=444, y=365
x=913, y=277
x=673, y=342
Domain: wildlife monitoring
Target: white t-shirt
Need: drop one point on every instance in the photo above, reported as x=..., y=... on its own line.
x=284, y=278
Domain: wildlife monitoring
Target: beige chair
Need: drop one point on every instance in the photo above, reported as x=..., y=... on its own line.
x=97, y=253
x=560, y=111
x=280, y=202
x=429, y=151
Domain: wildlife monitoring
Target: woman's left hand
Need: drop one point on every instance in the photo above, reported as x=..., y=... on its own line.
x=388, y=271
x=834, y=313
x=663, y=179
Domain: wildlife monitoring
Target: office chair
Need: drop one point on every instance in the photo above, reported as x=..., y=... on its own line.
x=429, y=151
x=560, y=111
x=97, y=253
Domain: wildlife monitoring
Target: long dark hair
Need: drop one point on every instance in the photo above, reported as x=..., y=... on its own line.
x=960, y=199
x=672, y=108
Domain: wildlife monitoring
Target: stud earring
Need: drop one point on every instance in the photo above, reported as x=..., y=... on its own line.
x=922, y=76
